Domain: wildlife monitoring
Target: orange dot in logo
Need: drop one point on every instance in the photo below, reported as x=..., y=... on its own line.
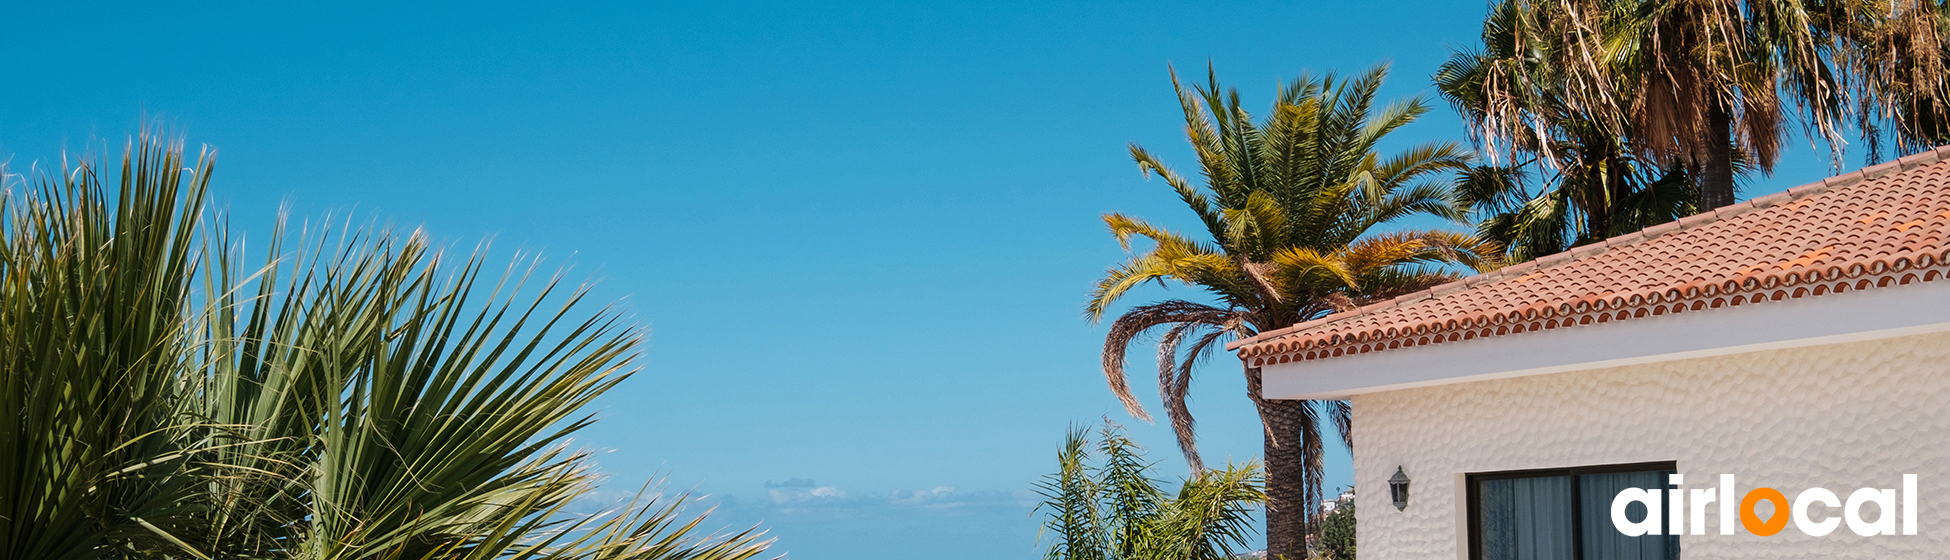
x=1752, y=522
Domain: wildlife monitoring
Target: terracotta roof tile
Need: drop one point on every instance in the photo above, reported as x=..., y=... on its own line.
x=1881, y=226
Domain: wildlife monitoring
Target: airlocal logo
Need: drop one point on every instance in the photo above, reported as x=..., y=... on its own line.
x=1801, y=511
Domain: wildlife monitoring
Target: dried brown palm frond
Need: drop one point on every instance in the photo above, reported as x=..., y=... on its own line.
x=1904, y=84
x=1693, y=84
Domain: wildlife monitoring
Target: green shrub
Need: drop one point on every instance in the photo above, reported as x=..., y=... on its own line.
x=1111, y=509
x=1336, y=539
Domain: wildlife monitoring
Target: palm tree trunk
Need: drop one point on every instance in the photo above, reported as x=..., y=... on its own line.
x=1716, y=173
x=1288, y=502
x=1287, y=484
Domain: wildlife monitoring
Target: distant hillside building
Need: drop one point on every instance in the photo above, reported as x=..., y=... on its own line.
x=1328, y=506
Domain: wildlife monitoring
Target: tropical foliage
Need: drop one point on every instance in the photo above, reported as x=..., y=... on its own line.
x=1711, y=86
x=1687, y=83
x=1298, y=212
x=1899, y=49
x=359, y=396
x=1336, y=538
x=1103, y=504
x=1569, y=177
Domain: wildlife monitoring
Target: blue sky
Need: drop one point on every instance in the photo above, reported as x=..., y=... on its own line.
x=860, y=234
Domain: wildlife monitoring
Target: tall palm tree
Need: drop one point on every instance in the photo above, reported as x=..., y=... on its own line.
x=1570, y=178
x=1716, y=80
x=1694, y=83
x=1293, y=207
x=357, y=399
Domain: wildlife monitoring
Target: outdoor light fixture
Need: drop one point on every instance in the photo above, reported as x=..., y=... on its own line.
x=1398, y=489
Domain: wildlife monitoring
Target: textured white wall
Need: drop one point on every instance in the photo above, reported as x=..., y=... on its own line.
x=1841, y=417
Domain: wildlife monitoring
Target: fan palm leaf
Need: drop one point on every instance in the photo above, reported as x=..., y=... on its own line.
x=92, y=292
x=355, y=397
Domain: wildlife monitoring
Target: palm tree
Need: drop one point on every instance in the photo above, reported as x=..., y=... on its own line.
x=1111, y=508
x=1292, y=206
x=358, y=398
x=1569, y=178
x=1899, y=51
x=1693, y=83
x=1716, y=79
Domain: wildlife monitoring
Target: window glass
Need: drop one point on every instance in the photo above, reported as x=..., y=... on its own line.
x=1527, y=518
x=1602, y=541
x=1564, y=514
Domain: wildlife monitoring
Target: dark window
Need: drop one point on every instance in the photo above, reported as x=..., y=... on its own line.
x=1563, y=514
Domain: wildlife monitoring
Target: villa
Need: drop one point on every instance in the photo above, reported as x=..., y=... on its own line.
x=1768, y=380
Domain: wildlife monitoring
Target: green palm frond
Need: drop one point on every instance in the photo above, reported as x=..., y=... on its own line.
x=651, y=526
x=351, y=397
x=451, y=406
x=1074, y=516
x=1198, y=202
x=1424, y=199
x=1421, y=160
x=1111, y=507
x=95, y=278
x=1288, y=199
x=1215, y=272
x=1303, y=270
x=1206, y=520
x=1124, y=227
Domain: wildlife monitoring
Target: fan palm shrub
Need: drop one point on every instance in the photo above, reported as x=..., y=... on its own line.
x=1299, y=215
x=359, y=396
x=1103, y=504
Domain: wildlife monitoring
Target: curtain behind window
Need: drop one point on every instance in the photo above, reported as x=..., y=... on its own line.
x=1527, y=519
x=1602, y=541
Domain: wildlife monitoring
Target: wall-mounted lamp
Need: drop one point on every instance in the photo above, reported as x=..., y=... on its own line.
x=1398, y=489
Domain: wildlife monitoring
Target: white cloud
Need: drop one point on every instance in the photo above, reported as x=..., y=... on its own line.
x=805, y=501
x=790, y=495
x=921, y=497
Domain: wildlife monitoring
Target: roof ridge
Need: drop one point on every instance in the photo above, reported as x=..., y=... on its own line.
x=1580, y=252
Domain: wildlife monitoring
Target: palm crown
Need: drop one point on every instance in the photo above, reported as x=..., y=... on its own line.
x=1570, y=177
x=1292, y=207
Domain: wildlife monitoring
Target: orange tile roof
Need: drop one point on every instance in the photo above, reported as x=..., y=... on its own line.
x=1881, y=226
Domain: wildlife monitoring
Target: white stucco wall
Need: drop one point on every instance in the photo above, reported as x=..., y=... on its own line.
x=1841, y=417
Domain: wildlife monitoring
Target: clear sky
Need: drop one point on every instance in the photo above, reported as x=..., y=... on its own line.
x=860, y=234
